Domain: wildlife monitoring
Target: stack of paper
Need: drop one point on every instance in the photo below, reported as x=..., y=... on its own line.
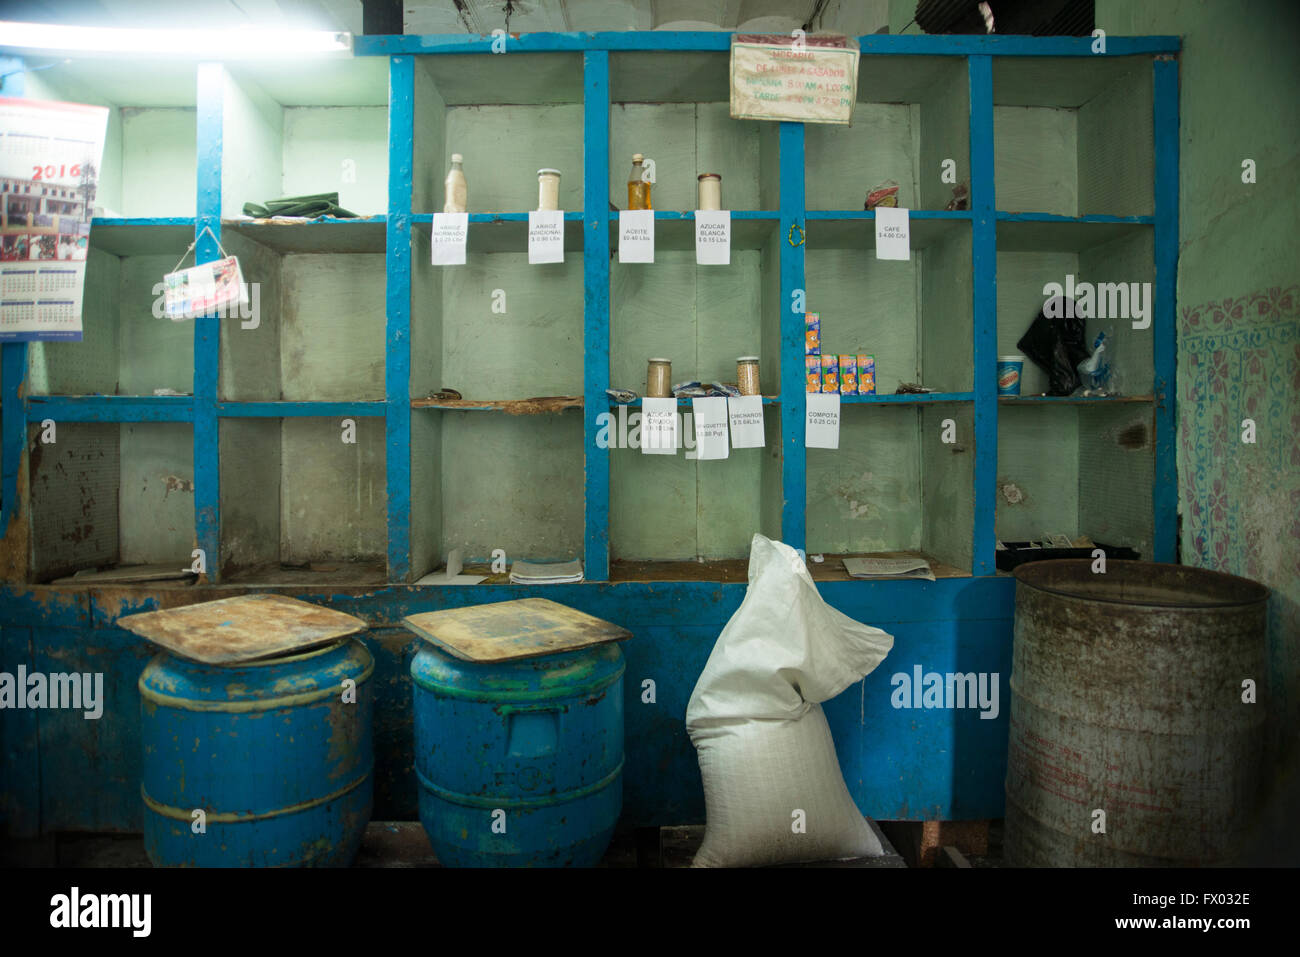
x=888, y=568
x=555, y=573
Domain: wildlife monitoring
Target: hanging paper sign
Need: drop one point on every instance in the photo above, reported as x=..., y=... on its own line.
x=216, y=287
x=710, y=415
x=450, y=234
x=893, y=233
x=746, y=413
x=49, y=163
x=822, y=425
x=658, y=426
x=713, y=237
x=636, y=236
x=545, y=236
x=806, y=79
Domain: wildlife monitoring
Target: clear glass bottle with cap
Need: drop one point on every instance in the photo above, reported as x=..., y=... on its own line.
x=638, y=190
x=455, y=189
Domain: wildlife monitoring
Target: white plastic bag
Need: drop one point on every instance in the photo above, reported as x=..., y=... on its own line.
x=773, y=790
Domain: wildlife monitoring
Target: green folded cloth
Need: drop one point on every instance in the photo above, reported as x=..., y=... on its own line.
x=320, y=204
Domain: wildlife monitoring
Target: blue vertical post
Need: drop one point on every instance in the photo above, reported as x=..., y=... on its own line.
x=596, y=308
x=397, y=338
x=794, y=472
x=984, y=265
x=1165, y=493
x=207, y=329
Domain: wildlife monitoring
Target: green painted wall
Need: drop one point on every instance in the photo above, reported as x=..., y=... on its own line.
x=1238, y=299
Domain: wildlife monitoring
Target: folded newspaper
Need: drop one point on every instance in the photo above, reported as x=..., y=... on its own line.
x=554, y=573
x=888, y=568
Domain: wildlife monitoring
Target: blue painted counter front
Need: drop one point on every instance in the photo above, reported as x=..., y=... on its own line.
x=64, y=772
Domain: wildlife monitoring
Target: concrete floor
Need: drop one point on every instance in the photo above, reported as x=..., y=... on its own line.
x=393, y=844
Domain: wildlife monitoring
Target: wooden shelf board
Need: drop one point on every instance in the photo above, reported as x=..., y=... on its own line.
x=1072, y=400
x=540, y=405
x=322, y=573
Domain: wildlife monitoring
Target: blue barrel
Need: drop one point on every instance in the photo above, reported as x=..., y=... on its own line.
x=520, y=763
x=270, y=751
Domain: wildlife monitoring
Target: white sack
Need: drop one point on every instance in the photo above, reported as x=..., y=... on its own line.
x=763, y=744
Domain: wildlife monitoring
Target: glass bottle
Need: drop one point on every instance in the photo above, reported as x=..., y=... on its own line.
x=455, y=188
x=638, y=191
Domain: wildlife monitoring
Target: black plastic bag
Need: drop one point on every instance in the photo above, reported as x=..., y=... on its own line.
x=1057, y=346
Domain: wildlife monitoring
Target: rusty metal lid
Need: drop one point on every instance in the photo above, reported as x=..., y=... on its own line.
x=1149, y=584
x=243, y=628
x=510, y=630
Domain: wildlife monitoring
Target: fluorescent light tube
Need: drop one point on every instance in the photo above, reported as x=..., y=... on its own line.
x=240, y=43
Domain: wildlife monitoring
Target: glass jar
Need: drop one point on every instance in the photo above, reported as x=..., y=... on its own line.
x=710, y=191
x=659, y=379
x=747, y=375
x=548, y=189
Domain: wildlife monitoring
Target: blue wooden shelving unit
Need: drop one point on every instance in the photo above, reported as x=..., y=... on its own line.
x=961, y=622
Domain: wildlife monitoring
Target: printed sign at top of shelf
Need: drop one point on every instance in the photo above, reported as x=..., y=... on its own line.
x=806, y=79
x=49, y=166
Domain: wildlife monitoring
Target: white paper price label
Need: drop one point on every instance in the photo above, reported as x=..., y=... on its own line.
x=713, y=237
x=658, y=426
x=893, y=233
x=822, y=425
x=545, y=236
x=710, y=416
x=636, y=236
x=746, y=413
x=450, y=234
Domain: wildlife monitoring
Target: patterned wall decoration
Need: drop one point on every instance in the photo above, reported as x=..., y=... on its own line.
x=1240, y=359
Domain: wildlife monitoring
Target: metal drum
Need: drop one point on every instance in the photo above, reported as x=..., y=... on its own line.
x=277, y=760
x=1127, y=699
x=520, y=763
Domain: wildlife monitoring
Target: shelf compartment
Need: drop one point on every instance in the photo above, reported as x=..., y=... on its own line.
x=318, y=329
x=916, y=316
x=508, y=116
x=1023, y=275
x=150, y=146
x=315, y=127
x=539, y=405
x=294, y=494
x=461, y=340
x=688, y=138
x=912, y=114
x=1074, y=135
x=1076, y=469
x=1044, y=232
x=127, y=348
x=110, y=494
x=894, y=485
x=483, y=482
x=325, y=235
x=700, y=317
x=668, y=508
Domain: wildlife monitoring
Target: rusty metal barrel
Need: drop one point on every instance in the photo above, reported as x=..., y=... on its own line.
x=1133, y=740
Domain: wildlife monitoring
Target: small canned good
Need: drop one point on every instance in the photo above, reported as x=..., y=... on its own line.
x=812, y=340
x=830, y=374
x=813, y=369
x=848, y=375
x=747, y=375
x=710, y=191
x=659, y=379
x=866, y=375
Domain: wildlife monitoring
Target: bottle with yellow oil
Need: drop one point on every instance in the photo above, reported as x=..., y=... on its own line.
x=638, y=190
